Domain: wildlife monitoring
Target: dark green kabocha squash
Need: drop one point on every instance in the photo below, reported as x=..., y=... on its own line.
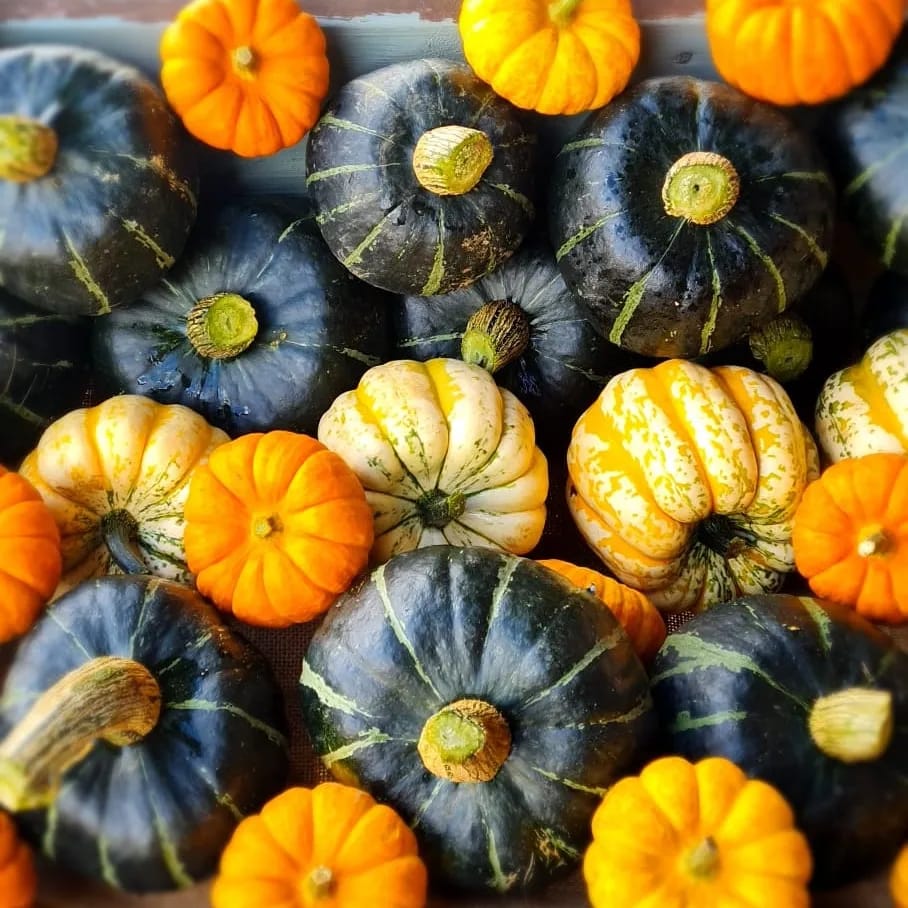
x=98, y=181
x=486, y=699
x=886, y=308
x=865, y=139
x=44, y=373
x=137, y=731
x=685, y=214
x=522, y=324
x=423, y=177
x=808, y=696
x=257, y=328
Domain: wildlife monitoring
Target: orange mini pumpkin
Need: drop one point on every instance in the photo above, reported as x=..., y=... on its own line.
x=552, y=56
x=18, y=880
x=30, y=558
x=805, y=52
x=248, y=76
x=637, y=615
x=850, y=535
x=277, y=526
x=898, y=879
x=331, y=845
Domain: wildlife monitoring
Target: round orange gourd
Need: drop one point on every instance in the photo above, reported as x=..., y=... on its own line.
x=552, y=56
x=803, y=52
x=30, y=559
x=18, y=880
x=898, y=879
x=247, y=76
x=687, y=835
x=330, y=846
x=277, y=526
x=637, y=615
x=850, y=535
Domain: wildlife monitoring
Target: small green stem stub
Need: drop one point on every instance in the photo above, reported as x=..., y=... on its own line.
x=28, y=149
x=701, y=187
x=222, y=326
x=450, y=160
x=784, y=346
x=438, y=509
x=496, y=334
x=854, y=725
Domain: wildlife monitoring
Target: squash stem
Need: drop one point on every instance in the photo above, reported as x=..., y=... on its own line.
x=874, y=542
x=701, y=187
x=106, y=699
x=854, y=725
x=784, y=346
x=120, y=533
x=496, y=334
x=467, y=741
x=318, y=884
x=244, y=61
x=450, y=160
x=561, y=12
x=703, y=859
x=28, y=149
x=438, y=509
x=222, y=326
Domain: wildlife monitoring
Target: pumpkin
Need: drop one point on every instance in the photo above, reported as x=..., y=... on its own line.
x=555, y=58
x=861, y=409
x=130, y=691
x=522, y=324
x=18, y=880
x=685, y=480
x=864, y=136
x=898, y=879
x=636, y=614
x=244, y=75
x=97, y=182
x=886, y=308
x=30, y=560
x=847, y=535
x=692, y=834
x=259, y=327
x=685, y=214
x=487, y=700
x=43, y=372
x=329, y=844
x=809, y=697
x=422, y=177
x=115, y=477
x=444, y=455
x=276, y=527
x=804, y=53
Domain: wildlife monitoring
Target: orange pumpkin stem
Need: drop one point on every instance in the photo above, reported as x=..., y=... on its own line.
x=244, y=61
x=319, y=884
x=561, y=12
x=703, y=859
x=450, y=160
x=265, y=527
x=874, y=542
x=28, y=149
x=496, y=334
x=701, y=187
x=221, y=326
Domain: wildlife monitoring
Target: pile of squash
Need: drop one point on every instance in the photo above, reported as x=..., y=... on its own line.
x=481, y=414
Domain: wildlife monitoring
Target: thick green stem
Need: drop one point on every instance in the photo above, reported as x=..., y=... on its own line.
x=784, y=346
x=702, y=860
x=496, y=334
x=450, y=160
x=28, y=149
x=853, y=725
x=723, y=536
x=120, y=533
x=561, y=12
x=702, y=187
x=438, y=509
x=106, y=699
x=222, y=326
x=467, y=741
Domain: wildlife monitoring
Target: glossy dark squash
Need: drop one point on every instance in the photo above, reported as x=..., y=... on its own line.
x=258, y=327
x=544, y=702
x=379, y=218
x=744, y=680
x=44, y=372
x=97, y=180
x=685, y=214
x=142, y=810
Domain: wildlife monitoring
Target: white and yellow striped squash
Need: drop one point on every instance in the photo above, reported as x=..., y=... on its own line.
x=864, y=409
x=116, y=477
x=446, y=457
x=685, y=481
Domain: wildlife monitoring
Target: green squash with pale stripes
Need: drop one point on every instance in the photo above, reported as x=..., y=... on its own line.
x=685, y=214
x=487, y=700
x=808, y=696
x=145, y=810
x=417, y=229
x=98, y=180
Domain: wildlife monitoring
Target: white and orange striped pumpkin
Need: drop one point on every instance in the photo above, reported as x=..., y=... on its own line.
x=446, y=457
x=864, y=409
x=685, y=481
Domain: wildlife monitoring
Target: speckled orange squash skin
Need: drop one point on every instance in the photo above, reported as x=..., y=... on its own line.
x=18, y=880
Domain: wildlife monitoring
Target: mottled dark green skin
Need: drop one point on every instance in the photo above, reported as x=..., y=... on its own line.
x=886, y=308
x=44, y=373
x=866, y=139
x=477, y=634
x=425, y=243
x=319, y=328
x=123, y=156
x=767, y=659
x=200, y=769
x=612, y=172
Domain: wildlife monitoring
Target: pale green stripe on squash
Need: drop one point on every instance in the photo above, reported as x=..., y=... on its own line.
x=169, y=851
x=569, y=783
x=189, y=648
x=326, y=694
x=822, y=620
x=436, y=275
x=369, y=738
x=348, y=125
x=108, y=871
x=768, y=263
x=515, y=196
x=820, y=255
x=134, y=229
x=272, y=734
x=582, y=234
x=891, y=242
x=709, y=326
x=24, y=413
x=684, y=722
x=84, y=276
x=343, y=169
x=866, y=175
x=499, y=881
